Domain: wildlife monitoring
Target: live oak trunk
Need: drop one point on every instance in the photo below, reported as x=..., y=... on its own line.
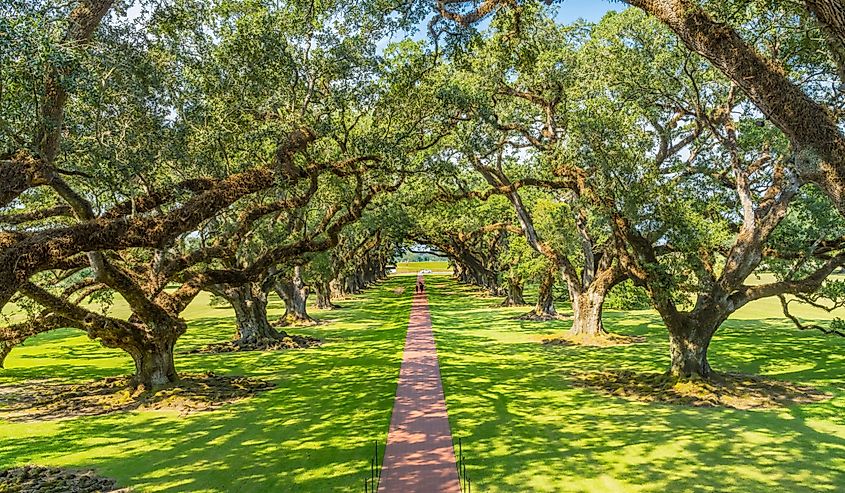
x=545, y=307
x=689, y=339
x=250, y=304
x=294, y=292
x=154, y=366
x=688, y=354
x=5, y=349
x=515, y=295
x=324, y=296
x=587, y=311
x=460, y=273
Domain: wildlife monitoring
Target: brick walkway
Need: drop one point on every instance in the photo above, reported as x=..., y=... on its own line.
x=419, y=457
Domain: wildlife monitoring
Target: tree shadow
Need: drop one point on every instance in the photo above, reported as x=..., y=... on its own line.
x=312, y=432
x=528, y=429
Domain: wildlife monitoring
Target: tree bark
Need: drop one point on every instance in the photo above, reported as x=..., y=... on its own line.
x=514, y=294
x=688, y=344
x=587, y=311
x=294, y=292
x=154, y=366
x=545, y=307
x=5, y=349
x=324, y=296
x=250, y=304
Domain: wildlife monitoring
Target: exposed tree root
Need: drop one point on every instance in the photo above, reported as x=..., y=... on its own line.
x=533, y=316
x=733, y=390
x=288, y=321
x=602, y=340
x=283, y=342
x=47, y=400
x=38, y=479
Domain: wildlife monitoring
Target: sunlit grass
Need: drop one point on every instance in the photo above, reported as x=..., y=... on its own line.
x=312, y=433
x=525, y=428
x=414, y=267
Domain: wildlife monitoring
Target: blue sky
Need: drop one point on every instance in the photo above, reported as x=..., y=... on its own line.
x=568, y=11
x=591, y=10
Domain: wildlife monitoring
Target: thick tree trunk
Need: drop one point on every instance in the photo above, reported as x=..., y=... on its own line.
x=515, y=295
x=688, y=353
x=154, y=366
x=586, y=311
x=460, y=273
x=338, y=288
x=324, y=296
x=689, y=339
x=294, y=292
x=545, y=307
x=250, y=304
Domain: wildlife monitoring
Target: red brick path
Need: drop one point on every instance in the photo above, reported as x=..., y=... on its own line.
x=419, y=457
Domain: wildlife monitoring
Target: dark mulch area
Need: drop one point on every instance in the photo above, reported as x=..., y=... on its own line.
x=283, y=343
x=37, y=479
x=606, y=340
x=49, y=400
x=534, y=317
x=733, y=390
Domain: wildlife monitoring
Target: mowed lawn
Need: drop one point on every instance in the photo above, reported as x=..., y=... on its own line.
x=314, y=432
x=525, y=428
x=415, y=267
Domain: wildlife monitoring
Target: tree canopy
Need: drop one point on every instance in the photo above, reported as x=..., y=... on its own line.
x=672, y=152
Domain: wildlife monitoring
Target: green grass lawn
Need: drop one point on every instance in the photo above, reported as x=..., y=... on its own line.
x=525, y=428
x=312, y=433
x=414, y=267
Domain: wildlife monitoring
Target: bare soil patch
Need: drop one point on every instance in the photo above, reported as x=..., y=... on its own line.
x=283, y=343
x=732, y=390
x=607, y=340
x=37, y=479
x=50, y=400
x=295, y=322
x=534, y=317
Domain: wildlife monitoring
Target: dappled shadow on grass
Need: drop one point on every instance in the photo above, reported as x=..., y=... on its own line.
x=312, y=432
x=732, y=390
x=46, y=400
x=529, y=429
x=607, y=340
x=280, y=343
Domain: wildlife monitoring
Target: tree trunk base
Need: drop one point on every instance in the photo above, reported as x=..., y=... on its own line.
x=534, y=316
x=294, y=321
x=279, y=342
x=688, y=354
x=594, y=332
x=154, y=367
